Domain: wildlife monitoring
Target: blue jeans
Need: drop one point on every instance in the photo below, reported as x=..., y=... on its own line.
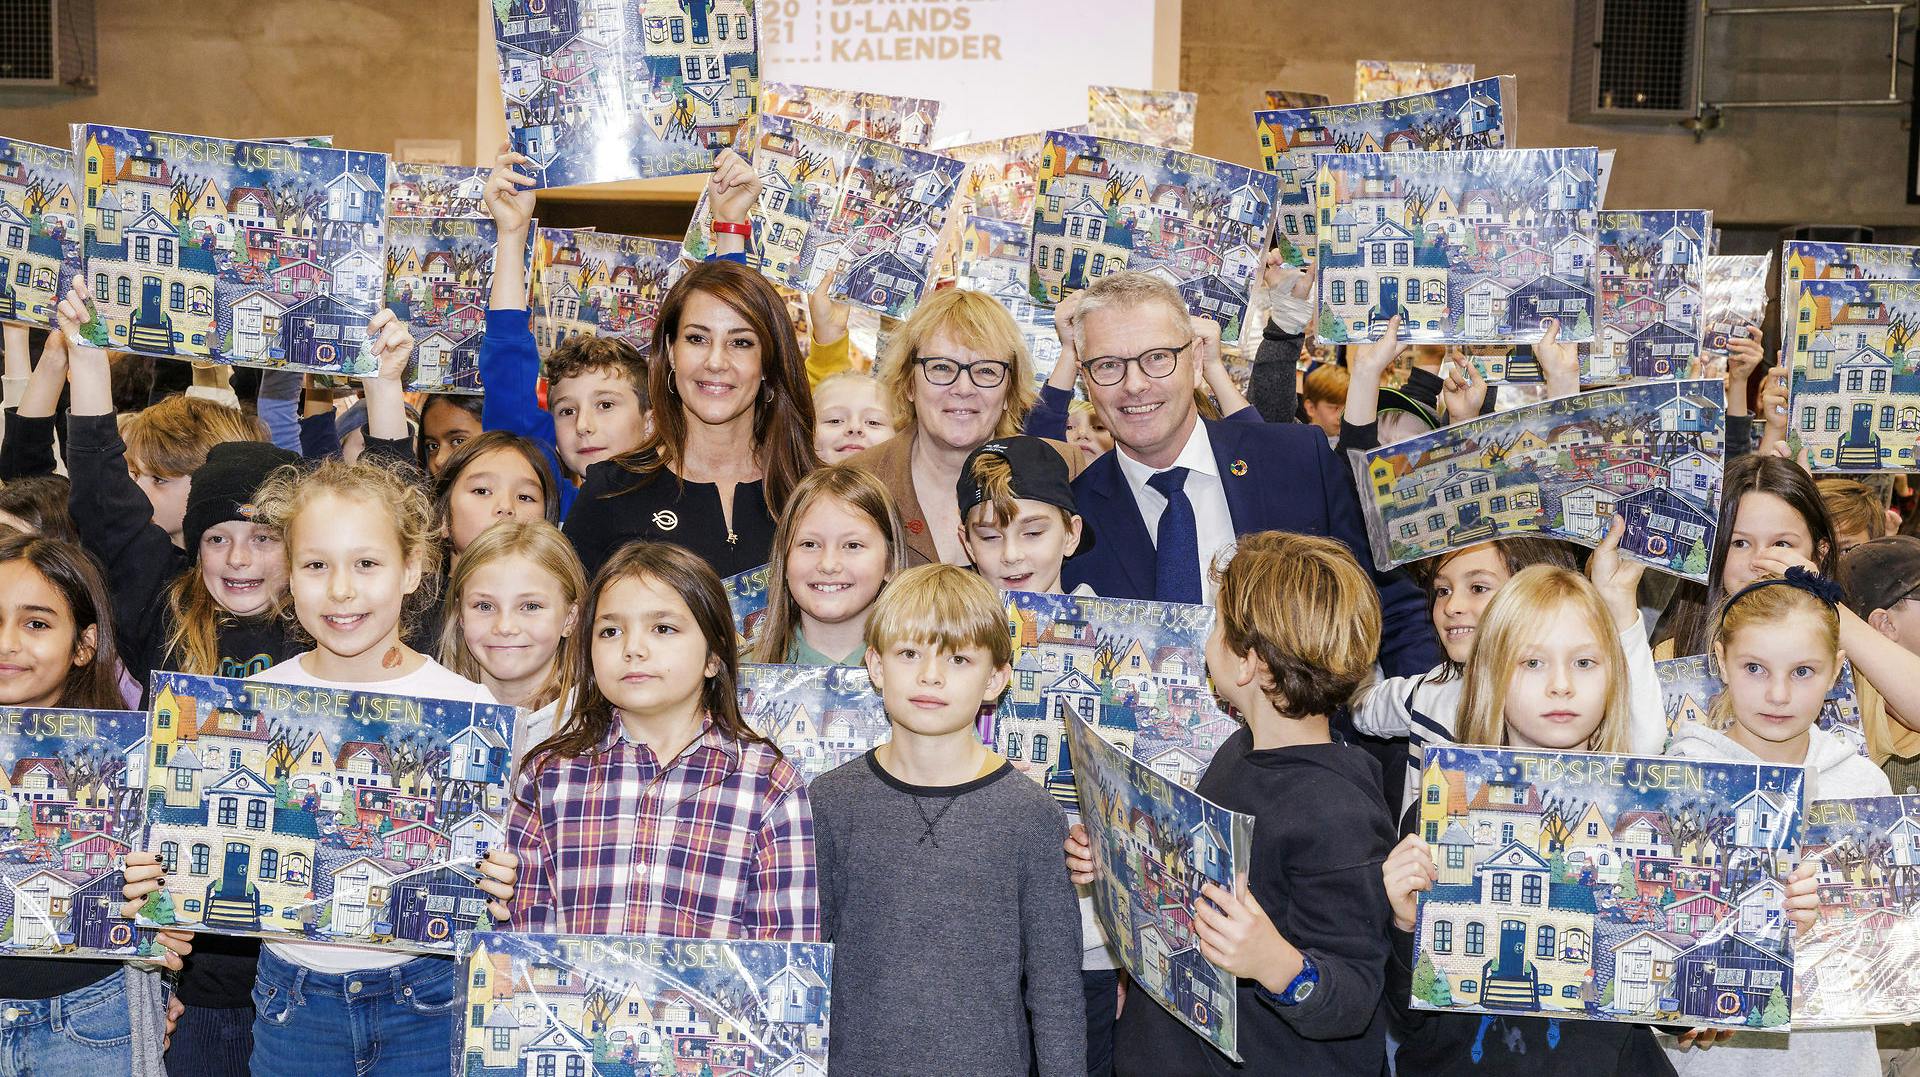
x=383, y=1023
x=85, y=1031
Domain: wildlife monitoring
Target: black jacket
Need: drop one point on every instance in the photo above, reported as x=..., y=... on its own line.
x=1320, y=834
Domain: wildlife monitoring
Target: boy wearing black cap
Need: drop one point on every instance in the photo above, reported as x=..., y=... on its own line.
x=1880, y=578
x=1018, y=520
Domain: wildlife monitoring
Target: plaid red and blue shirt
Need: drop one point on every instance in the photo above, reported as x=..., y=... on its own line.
x=717, y=844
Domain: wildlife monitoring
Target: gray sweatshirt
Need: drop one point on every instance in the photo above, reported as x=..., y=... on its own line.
x=1834, y=770
x=955, y=928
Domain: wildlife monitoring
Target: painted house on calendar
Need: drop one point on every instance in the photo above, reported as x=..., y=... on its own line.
x=1614, y=899
x=1855, y=388
x=273, y=822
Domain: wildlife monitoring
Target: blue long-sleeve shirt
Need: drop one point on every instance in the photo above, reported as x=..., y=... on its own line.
x=510, y=370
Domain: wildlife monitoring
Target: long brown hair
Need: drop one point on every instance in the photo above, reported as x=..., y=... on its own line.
x=1689, y=617
x=860, y=491
x=782, y=413
x=587, y=724
x=94, y=685
x=476, y=447
x=544, y=545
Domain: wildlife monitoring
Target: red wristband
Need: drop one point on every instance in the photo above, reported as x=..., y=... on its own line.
x=738, y=228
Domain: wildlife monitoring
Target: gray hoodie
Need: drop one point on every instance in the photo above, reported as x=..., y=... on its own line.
x=1834, y=771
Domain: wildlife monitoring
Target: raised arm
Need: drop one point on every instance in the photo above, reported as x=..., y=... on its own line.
x=1271, y=383
x=26, y=447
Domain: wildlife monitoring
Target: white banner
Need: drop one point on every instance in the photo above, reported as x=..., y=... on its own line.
x=998, y=67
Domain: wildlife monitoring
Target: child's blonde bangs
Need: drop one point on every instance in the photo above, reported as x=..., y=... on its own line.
x=943, y=607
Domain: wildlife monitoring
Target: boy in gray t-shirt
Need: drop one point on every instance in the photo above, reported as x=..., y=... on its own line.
x=955, y=928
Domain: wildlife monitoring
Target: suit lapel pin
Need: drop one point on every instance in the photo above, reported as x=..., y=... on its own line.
x=1239, y=468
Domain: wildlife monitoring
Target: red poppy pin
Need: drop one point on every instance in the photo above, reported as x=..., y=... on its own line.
x=1238, y=467
x=916, y=526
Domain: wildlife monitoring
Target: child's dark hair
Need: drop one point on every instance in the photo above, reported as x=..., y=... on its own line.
x=40, y=502
x=469, y=404
x=1689, y=618
x=693, y=579
x=583, y=354
x=1303, y=606
x=487, y=442
x=94, y=684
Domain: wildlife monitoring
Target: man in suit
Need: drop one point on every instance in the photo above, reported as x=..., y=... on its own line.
x=1177, y=489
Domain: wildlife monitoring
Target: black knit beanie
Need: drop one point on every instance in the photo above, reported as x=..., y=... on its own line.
x=224, y=486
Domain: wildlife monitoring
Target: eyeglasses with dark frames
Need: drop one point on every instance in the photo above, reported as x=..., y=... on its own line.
x=1154, y=363
x=939, y=370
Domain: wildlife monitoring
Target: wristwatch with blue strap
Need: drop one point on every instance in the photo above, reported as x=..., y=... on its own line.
x=1302, y=986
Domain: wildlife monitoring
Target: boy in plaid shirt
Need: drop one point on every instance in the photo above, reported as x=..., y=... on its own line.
x=956, y=932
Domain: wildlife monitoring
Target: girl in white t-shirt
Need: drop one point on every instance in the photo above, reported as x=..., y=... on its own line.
x=361, y=549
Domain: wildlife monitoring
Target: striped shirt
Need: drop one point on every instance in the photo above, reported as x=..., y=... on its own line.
x=717, y=844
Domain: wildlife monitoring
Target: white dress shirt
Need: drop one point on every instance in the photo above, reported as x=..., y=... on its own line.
x=1213, y=521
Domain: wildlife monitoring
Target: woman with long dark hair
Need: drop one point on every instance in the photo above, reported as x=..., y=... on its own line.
x=732, y=429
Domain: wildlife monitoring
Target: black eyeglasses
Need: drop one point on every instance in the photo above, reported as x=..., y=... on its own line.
x=984, y=373
x=1154, y=363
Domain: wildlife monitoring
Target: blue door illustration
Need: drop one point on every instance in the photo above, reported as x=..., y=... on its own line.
x=1389, y=300
x=1860, y=446
x=1513, y=950
x=1077, y=272
x=149, y=328
x=233, y=872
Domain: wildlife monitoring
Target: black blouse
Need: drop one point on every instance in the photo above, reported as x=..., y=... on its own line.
x=617, y=506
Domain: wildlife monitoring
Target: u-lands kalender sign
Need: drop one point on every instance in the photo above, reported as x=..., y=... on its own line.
x=1003, y=67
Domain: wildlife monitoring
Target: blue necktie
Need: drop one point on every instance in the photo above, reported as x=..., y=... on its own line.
x=1176, y=548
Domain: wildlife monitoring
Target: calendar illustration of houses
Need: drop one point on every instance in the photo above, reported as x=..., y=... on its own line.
x=903, y=121
x=1854, y=391
x=819, y=716
x=599, y=284
x=72, y=787
x=1735, y=300
x=1156, y=845
x=1378, y=80
x=597, y=90
x=881, y=239
x=586, y=1005
x=1464, y=246
x=322, y=815
x=1607, y=887
x=1002, y=176
x=417, y=190
x=39, y=230
x=1135, y=670
x=1161, y=118
x=1651, y=452
x=992, y=256
x=1688, y=688
x=801, y=167
x=747, y=598
x=1198, y=224
x=1473, y=116
x=438, y=274
x=1652, y=308
x=1856, y=965
x=248, y=253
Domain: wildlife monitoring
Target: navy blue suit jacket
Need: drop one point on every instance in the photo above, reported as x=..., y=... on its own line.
x=1278, y=477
